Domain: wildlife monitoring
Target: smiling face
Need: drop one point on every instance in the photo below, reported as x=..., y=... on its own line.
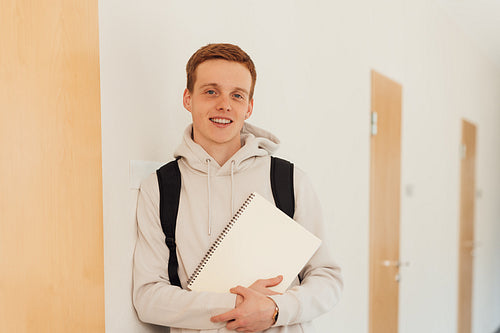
x=219, y=104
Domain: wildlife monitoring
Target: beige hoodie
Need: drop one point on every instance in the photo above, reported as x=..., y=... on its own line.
x=210, y=195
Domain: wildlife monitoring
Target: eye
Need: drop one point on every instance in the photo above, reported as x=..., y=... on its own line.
x=238, y=96
x=210, y=92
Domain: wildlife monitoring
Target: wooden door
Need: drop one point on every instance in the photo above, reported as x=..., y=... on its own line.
x=51, y=232
x=384, y=204
x=466, y=238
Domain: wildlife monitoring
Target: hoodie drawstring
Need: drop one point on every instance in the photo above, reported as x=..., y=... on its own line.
x=209, y=201
x=210, y=191
x=232, y=188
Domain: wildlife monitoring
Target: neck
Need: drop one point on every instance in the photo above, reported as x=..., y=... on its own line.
x=222, y=153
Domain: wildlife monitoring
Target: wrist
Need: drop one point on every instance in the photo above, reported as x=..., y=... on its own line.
x=276, y=312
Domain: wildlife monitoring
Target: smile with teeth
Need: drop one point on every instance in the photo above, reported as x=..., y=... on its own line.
x=221, y=121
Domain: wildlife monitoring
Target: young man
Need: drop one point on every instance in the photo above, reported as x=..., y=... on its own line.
x=222, y=160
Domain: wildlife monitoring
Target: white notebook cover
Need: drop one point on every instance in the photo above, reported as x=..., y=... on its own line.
x=261, y=242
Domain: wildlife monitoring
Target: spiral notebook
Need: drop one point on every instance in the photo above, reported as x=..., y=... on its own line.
x=259, y=242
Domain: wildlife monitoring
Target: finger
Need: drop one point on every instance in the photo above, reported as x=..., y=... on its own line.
x=271, y=292
x=233, y=325
x=239, y=300
x=240, y=291
x=274, y=281
x=271, y=282
x=239, y=326
x=227, y=316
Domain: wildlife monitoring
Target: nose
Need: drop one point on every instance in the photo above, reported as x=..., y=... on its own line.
x=224, y=103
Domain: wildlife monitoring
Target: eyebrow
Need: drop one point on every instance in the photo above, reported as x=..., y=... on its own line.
x=215, y=85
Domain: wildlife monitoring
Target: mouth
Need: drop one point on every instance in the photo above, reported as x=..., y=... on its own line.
x=221, y=121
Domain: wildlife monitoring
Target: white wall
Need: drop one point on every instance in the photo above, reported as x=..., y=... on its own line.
x=313, y=62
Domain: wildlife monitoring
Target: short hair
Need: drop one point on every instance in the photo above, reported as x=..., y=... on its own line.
x=227, y=52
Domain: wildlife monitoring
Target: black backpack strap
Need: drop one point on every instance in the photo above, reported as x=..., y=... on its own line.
x=282, y=185
x=169, y=182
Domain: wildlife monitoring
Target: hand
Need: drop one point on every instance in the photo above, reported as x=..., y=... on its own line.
x=262, y=286
x=253, y=314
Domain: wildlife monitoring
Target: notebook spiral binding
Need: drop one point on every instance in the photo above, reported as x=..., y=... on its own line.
x=219, y=240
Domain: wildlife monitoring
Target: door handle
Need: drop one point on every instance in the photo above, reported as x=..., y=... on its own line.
x=395, y=263
x=471, y=243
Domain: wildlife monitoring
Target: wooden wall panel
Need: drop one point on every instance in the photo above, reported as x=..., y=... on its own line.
x=51, y=241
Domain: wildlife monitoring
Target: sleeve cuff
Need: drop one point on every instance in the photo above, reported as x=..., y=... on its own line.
x=289, y=308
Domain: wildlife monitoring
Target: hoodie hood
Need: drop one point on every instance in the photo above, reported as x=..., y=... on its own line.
x=255, y=142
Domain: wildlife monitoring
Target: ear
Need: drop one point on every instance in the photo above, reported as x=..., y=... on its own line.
x=250, y=110
x=186, y=100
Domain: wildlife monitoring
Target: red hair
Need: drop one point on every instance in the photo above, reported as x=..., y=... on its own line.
x=227, y=52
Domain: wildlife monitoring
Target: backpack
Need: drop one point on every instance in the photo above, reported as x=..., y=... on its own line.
x=169, y=182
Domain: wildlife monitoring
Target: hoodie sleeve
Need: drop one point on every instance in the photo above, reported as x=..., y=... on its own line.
x=155, y=300
x=322, y=283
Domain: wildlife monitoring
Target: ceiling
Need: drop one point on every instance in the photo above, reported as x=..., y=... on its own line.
x=480, y=19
